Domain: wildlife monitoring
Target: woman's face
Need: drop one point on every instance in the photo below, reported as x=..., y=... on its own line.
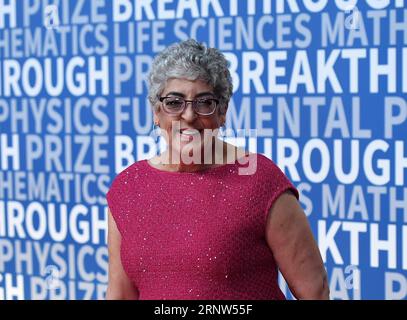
x=173, y=125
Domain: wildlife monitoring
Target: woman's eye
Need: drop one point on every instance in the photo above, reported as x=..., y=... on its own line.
x=174, y=102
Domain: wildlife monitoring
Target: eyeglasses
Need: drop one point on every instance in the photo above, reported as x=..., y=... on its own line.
x=202, y=106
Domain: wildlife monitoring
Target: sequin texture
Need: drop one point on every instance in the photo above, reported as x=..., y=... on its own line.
x=198, y=235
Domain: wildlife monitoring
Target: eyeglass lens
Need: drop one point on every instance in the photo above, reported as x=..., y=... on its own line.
x=177, y=104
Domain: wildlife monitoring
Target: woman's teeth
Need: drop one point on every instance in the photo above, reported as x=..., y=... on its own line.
x=190, y=132
x=188, y=135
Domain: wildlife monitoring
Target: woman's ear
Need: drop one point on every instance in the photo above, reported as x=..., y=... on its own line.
x=222, y=118
x=222, y=115
x=157, y=107
x=156, y=119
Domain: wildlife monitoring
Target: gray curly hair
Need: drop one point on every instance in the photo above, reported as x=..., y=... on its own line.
x=191, y=60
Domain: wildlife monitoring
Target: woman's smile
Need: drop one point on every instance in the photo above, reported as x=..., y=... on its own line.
x=189, y=134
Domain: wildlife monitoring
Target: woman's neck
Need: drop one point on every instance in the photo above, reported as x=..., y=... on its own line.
x=228, y=153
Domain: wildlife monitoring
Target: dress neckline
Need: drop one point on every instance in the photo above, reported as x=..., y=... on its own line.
x=209, y=169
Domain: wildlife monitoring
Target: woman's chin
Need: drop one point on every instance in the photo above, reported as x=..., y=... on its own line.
x=188, y=150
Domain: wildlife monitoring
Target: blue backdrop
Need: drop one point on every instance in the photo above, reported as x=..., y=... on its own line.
x=323, y=83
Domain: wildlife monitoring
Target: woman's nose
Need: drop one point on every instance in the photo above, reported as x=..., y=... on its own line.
x=189, y=113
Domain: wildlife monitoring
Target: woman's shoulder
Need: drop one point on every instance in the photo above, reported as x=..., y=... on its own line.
x=255, y=164
x=130, y=174
x=265, y=161
x=266, y=168
x=271, y=175
x=260, y=160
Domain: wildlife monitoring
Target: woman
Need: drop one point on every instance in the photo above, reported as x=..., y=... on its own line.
x=187, y=224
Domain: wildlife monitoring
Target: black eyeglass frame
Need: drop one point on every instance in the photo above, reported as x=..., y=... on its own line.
x=194, y=103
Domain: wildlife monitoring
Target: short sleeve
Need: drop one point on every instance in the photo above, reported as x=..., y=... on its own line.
x=114, y=203
x=118, y=199
x=273, y=182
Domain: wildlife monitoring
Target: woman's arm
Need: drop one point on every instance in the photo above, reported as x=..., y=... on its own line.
x=290, y=238
x=120, y=286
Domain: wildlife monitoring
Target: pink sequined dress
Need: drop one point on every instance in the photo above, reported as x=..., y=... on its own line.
x=198, y=235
